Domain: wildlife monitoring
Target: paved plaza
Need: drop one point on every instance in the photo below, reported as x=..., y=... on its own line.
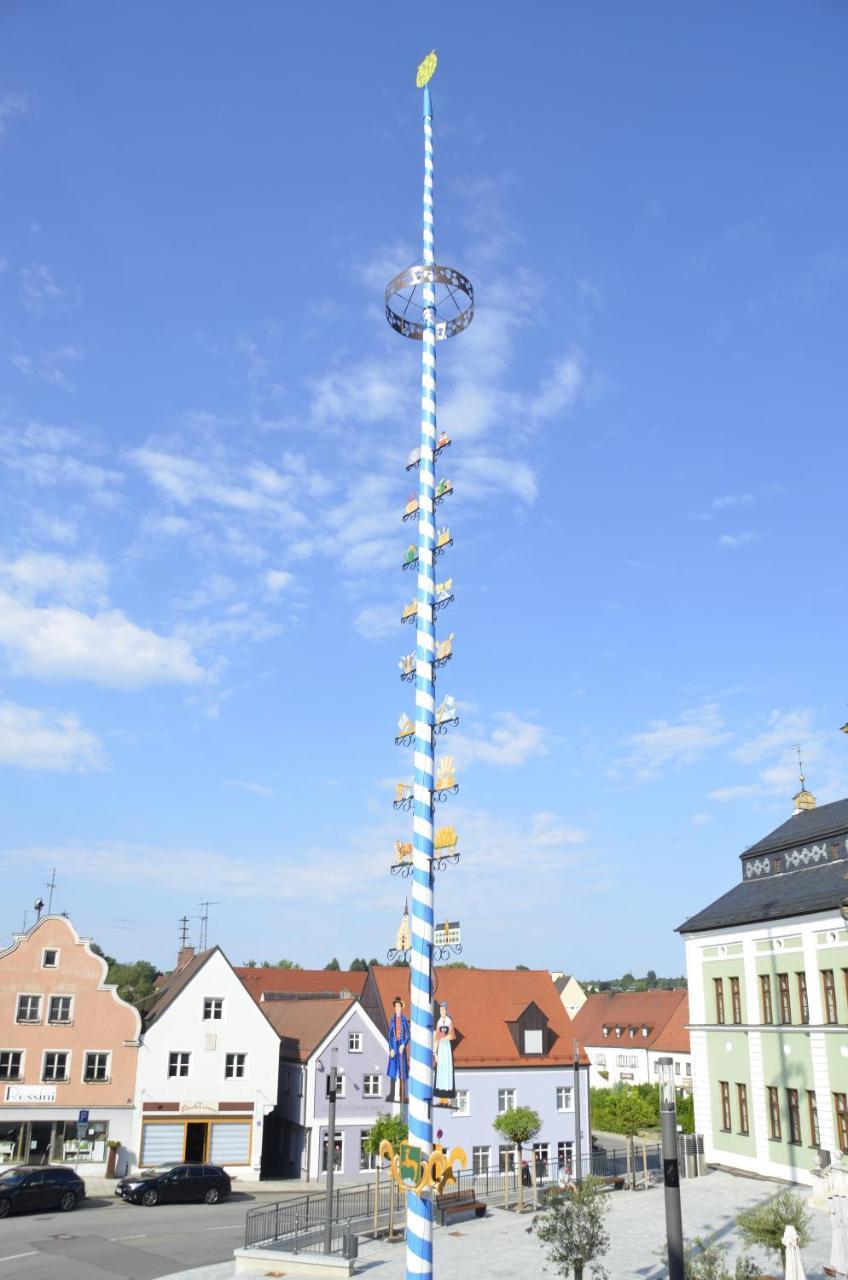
x=499, y=1247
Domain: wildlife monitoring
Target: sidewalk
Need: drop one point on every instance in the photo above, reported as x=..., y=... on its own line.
x=280, y=1189
x=501, y=1247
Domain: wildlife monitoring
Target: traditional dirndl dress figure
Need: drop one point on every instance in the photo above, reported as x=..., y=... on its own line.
x=398, y=1038
x=444, y=1087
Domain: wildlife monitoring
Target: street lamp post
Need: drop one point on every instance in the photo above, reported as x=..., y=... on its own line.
x=671, y=1168
x=578, y=1146
x=332, y=1090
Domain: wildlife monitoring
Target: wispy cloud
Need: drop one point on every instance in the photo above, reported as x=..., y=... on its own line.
x=34, y=574
x=255, y=788
x=37, y=739
x=698, y=731
x=42, y=291
x=738, y=539
x=732, y=500
x=510, y=744
x=377, y=622
x=60, y=643
x=12, y=107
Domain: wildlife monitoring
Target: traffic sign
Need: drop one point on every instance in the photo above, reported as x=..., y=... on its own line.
x=82, y=1118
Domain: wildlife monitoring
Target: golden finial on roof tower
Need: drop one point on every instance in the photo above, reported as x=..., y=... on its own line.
x=803, y=799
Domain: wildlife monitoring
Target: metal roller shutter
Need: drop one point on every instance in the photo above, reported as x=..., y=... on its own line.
x=162, y=1143
x=230, y=1143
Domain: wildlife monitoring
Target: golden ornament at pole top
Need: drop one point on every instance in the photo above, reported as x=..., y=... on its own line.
x=426, y=69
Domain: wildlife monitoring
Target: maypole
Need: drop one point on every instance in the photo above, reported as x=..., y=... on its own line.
x=428, y=303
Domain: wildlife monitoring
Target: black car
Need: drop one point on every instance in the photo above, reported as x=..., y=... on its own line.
x=175, y=1184
x=43, y=1186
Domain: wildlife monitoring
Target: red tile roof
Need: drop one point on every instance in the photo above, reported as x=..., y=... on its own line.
x=309, y=982
x=481, y=1002
x=664, y=1013
x=303, y=1024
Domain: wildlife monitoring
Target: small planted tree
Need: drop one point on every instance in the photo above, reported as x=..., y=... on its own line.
x=573, y=1226
x=386, y=1127
x=518, y=1125
x=764, y=1224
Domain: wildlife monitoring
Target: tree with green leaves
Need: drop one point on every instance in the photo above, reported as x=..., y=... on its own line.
x=573, y=1227
x=287, y=964
x=361, y=966
x=334, y=964
x=135, y=980
x=518, y=1125
x=764, y=1224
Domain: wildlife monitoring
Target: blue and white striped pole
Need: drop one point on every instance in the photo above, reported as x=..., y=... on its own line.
x=419, y=1209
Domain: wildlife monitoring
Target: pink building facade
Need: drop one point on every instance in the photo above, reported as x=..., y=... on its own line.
x=68, y=1053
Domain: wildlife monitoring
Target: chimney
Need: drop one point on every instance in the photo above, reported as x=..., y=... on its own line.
x=184, y=955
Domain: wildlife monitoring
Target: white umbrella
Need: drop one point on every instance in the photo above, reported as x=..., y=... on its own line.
x=794, y=1265
x=838, y=1206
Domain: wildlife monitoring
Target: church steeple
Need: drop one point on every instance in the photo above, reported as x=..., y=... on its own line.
x=803, y=799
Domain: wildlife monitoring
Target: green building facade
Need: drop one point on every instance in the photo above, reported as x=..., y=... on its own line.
x=767, y=965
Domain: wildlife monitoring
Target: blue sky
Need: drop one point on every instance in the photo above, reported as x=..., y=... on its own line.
x=204, y=421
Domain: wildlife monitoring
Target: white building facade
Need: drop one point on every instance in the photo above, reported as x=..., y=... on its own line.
x=207, y=1071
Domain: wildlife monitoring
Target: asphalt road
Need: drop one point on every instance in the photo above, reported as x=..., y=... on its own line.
x=108, y=1240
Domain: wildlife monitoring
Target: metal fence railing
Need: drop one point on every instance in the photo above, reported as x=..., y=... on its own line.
x=302, y=1219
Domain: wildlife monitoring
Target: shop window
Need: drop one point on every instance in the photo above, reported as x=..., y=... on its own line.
x=229, y=1143
x=55, y=1066
x=96, y=1069
x=29, y=1009
x=234, y=1066
x=81, y=1142
x=162, y=1144
x=213, y=1008
x=11, y=1064
x=338, y=1149
x=367, y=1160
x=60, y=1009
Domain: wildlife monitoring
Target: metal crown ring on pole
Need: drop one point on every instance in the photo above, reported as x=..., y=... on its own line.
x=397, y=304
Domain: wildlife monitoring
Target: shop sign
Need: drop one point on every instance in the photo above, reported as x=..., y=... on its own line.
x=30, y=1093
x=198, y=1107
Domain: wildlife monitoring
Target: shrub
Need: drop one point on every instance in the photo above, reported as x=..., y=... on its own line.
x=765, y=1223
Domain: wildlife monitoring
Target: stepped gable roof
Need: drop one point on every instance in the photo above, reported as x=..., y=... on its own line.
x=802, y=828
x=173, y=983
x=664, y=1013
x=794, y=893
x=301, y=982
x=303, y=1024
x=482, y=1002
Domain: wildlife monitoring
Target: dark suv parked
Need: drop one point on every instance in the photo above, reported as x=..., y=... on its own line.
x=175, y=1184
x=29, y=1186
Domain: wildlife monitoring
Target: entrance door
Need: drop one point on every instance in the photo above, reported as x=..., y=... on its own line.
x=40, y=1138
x=195, y=1143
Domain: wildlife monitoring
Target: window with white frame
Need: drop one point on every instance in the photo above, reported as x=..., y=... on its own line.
x=564, y=1154
x=507, y=1100
x=96, y=1067
x=600, y=1059
x=234, y=1066
x=462, y=1103
x=480, y=1157
x=367, y=1159
x=541, y=1154
x=534, y=1040
x=341, y=1084
x=688, y=1068
x=55, y=1066
x=354, y=1041
x=371, y=1087
x=677, y=1068
x=213, y=1008
x=60, y=1009
x=178, y=1064
x=29, y=1009
x=50, y=958
x=506, y=1156
x=338, y=1152
x=11, y=1064
x=626, y=1060
x=564, y=1098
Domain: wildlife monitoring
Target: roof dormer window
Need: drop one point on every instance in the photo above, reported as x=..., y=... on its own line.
x=618, y=1031
x=533, y=1040
x=605, y=1029
x=645, y=1031
x=632, y=1031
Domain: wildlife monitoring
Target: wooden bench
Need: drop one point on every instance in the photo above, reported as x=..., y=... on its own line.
x=614, y=1180
x=460, y=1202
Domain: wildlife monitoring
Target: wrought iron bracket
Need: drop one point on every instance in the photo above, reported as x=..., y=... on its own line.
x=442, y=604
x=444, y=953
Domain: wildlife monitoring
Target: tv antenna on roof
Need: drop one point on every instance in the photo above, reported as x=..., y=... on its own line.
x=204, y=923
x=183, y=931
x=51, y=885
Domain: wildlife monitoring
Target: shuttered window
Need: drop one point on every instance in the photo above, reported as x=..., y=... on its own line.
x=162, y=1144
x=230, y=1143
